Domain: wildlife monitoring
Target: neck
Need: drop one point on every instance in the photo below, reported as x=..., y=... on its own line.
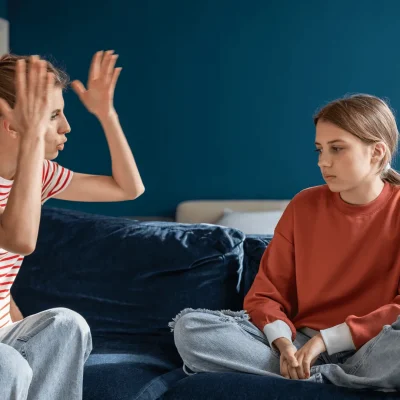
x=8, y=165
x=364, y=193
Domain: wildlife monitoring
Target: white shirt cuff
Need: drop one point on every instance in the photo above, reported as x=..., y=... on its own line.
x=277, y=329
x=338, y=338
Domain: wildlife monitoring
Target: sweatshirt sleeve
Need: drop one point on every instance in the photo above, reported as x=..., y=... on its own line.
x=356, y=331
x=55, y=179
x=365, y=328
x=272, y=299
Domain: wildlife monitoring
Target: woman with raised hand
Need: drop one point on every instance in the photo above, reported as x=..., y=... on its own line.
x=42, y=356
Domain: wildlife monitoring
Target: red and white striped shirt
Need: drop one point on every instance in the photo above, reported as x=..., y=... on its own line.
x=55, y=179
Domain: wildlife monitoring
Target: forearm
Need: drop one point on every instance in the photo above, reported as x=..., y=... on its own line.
x=21, y=217
x=124, y=169
x=272, y=297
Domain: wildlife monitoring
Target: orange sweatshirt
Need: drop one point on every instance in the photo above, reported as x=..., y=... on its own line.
x=332, y=267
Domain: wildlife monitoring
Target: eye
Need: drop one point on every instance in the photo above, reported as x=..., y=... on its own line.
x=336, y=149
x=318, y=151
x=54, y=116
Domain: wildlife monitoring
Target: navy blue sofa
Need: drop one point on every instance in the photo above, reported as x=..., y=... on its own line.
x=129, y=279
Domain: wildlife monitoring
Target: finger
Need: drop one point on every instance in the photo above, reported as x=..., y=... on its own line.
x=41, y=87
x=300, y=370
x=49, y=88
x=79, y=88
x=293, y=363
x=36, y=83
x=94, y=70
x=5, y=110
x=32, y=81
x=293, y=373
x=20, y=81
x=115, y=77
x=31, y=72
x=306, y=366
x=308, y=374
x=284, y=369
x=105, y=62
x=110, y=68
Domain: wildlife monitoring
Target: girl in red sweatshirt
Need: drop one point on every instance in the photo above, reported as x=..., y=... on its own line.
x=328, y=282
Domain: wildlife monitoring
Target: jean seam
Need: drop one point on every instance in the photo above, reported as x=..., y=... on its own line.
x=22, y=351
x=36, y=329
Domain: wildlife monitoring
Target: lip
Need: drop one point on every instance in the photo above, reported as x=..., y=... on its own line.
x=61, y=145
x=329, y=177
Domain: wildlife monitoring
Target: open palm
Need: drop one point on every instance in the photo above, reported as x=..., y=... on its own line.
x=98, y=97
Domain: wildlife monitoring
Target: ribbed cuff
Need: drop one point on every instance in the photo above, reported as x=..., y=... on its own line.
x=338, y=338
x=277, y=329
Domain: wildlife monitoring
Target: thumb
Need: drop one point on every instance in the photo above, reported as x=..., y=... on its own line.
x=5, y=109
x=78, y=87
x=293, y=361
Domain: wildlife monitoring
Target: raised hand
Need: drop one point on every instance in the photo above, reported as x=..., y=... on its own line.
x=98, y=97
x=32, y=110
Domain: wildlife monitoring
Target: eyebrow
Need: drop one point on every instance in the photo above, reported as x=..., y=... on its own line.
x=332, y=141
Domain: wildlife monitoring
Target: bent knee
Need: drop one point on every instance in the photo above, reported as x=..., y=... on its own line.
x=69, y=319
x=189, y=331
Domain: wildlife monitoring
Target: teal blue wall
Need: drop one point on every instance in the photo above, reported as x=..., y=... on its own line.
x=216, y=97
x=3, y=9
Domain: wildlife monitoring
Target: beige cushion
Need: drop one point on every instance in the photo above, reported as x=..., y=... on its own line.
x=210, y=211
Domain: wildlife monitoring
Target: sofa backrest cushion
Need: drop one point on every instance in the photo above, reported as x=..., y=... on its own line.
x=254, y=248
x=129, y=277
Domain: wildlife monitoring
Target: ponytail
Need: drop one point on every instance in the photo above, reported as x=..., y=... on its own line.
x=391, y=176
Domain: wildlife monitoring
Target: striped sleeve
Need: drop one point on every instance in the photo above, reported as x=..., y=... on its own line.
x=54, y=180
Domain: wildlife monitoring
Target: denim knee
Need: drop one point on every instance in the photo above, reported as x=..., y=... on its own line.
x=13, y=367
x=186, y=333
x=70, y=323
x=68, y=319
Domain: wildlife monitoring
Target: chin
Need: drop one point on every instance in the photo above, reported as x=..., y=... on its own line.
x=340, y=188
x=335, y=187
x=51, y=156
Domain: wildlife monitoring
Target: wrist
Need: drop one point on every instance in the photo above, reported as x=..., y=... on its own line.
x=320, y=338
x=107, y=115
x=32, y=137
x=31, y=142
x=281, y=343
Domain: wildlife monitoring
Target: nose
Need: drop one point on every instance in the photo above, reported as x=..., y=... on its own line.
x=324, y=161
x=64, y=127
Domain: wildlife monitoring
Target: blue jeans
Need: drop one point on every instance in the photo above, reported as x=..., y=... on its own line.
x=42, y=356
x=226, y=341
